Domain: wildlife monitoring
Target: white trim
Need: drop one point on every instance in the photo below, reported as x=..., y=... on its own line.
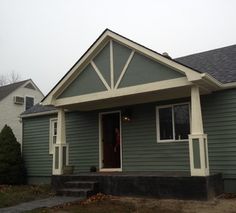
x=101, y=143
x=111, y=64
x=124, y=69
x=196, y=111
x=111, y=170
x=59, y=171
x=100, y=75
x=204, y=169
x=51, y=130
x=173, y=124
x=155, y=86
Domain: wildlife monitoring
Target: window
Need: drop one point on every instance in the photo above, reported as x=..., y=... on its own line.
x=29, y=102
x=173, y=122
x=53, y=134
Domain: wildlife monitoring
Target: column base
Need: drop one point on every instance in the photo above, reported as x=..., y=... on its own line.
x=198, y=153
x=60, y=158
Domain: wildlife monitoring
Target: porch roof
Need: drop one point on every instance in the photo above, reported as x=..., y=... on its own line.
x=168, y=74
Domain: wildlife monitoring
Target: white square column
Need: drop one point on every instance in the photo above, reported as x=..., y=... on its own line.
x=60, y=154
x=198, y=146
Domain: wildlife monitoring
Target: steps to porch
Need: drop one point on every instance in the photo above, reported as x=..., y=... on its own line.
x=78, y=188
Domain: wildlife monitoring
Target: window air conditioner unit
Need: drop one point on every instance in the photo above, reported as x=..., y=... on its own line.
x=18, y=100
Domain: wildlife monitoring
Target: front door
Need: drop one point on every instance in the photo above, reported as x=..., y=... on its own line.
x=110, y=143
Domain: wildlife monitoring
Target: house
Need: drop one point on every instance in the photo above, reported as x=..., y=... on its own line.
x=15, y=98
x=132, y=112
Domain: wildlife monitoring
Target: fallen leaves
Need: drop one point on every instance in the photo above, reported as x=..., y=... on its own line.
x=95, y=198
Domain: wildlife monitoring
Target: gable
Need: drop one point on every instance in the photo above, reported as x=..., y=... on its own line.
x=87, y=82
x=143, y=70
x=102, y=61
x=117, y=66
x=30, y=86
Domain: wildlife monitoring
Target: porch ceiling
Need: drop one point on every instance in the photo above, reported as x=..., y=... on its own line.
x=168, y=94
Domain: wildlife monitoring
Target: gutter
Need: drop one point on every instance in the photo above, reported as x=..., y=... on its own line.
x=217, y=84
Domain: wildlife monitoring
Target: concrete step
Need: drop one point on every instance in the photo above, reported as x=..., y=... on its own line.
x=82, y=184
x=75, y=192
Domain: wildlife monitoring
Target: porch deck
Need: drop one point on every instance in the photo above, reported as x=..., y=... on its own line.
x=176, y=185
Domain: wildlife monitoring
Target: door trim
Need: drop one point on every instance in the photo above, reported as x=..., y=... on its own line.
x=100, y=143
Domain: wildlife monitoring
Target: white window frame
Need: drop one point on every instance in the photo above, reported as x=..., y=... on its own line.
x=173, y=122
x=29, y=96
x=51, y=134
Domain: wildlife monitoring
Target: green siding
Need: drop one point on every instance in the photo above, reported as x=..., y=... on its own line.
x=143, y=70
x=82, y=136
x=196, y=154
x=120, y=57
x=87, y=82
x=219, y=116
x=35, y=147
x=141, y=152
x=102, y=61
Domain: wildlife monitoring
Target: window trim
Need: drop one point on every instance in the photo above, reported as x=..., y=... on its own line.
x=51, y=130
x=29, y=96
x=173, y=122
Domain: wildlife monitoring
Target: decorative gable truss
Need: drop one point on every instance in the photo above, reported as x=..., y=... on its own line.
x=115, y=66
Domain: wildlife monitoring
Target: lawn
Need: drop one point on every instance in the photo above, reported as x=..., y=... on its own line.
x=12, y=195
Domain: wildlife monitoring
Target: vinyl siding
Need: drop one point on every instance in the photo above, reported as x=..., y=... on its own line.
x=82, y=136
x=35, y=146
x=219, y=116
x=141, y=152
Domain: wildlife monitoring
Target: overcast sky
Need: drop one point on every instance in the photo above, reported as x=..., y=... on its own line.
x=42, y=39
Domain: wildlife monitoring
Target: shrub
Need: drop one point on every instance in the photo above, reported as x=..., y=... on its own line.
x=12, y=169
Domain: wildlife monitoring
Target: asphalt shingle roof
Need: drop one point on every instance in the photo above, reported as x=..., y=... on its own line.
x=219, y=63
x=7, y=89
x=37, y=108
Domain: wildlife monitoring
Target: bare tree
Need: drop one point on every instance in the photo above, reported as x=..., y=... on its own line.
x=13, y=77
x=3, y=80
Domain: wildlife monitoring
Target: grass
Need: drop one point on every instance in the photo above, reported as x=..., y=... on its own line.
x=13, y=195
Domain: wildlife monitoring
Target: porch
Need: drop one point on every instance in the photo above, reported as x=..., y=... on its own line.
x=116, y=73
x=168, y=185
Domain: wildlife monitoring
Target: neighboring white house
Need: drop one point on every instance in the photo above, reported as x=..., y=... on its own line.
x=14, y=99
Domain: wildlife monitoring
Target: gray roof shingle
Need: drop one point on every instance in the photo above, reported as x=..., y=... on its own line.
x=38, y=108
x=219, y=63
x=7, y=89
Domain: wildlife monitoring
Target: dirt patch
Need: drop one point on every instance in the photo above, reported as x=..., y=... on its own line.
x=219, y=205
x=113, y=204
